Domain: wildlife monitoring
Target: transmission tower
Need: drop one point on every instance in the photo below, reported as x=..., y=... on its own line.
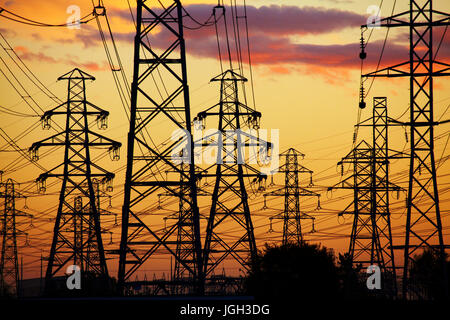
x=149, y=158
x=371, y=236
x=292, y=191
x=229, y=207
x=423, y=220
x=9, y=265
x=77, y=236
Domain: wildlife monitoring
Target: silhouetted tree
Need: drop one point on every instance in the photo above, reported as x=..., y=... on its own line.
x=351, y=285
x=426, y=274
x=305, y=271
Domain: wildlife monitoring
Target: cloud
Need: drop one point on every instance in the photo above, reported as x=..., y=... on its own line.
x=274, y=19
x=276, y=39
x=8, y=32
x=25, y=54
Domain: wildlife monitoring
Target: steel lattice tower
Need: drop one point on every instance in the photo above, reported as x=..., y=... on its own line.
x=364, y=245
x=423, y=220
x=292, y=191
x=229, y=207
x=149, y=158
x=77, y=236
x=9, y=266
x=371, y=236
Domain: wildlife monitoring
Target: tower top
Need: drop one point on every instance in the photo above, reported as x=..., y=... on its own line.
x=76, y=74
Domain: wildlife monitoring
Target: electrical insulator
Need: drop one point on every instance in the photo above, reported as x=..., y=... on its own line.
x=362, y=54
x=262, y=180
x=114, y=152
x=165, y=224
x=46, y=122
x=362, y=103
x=256, y=121
x=271, y=181
x=159, y=202
x=41, y=185
x=270, y=226
x=34, y=153
x=102, y=121
x=109, y=185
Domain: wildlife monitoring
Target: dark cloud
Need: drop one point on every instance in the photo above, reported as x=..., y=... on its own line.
x=271, y=41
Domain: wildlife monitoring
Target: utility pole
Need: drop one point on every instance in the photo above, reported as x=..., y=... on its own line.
x=229, y=202
x=292, y=191
x=151, y=152
x=77, y=231
x=9, y=265
x=423, y=218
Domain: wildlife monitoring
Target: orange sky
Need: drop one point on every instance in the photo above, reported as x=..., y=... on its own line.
x=306, y=82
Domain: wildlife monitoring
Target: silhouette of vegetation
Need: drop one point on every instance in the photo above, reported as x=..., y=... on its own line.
x=351, y=284
x=295, y=272
x=305, y=271
x=426, y=275
x=7, y=292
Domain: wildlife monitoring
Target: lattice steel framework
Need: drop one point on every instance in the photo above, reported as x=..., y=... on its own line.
x=381, y=187
x=371, y=236
x=150, y=154
x=77, y=232
x=292, y=191
x=229, y=207
x=9, y=266
x=364, y=248
x=423, y=220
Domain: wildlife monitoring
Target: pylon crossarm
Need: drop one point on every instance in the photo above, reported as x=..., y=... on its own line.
x=395, y=20
x=104, y=141
x=276, y=193
x=307, y=193
x=347, y=183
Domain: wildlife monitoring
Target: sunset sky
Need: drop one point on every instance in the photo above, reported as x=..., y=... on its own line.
x=306, y=74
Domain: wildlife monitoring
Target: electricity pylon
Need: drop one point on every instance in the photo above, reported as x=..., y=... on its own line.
x=423, y=218
x=151, y=152
x=9, y=265
x=229, y=207
x=292, y=191
x=179, y=274
x=77, y=236
x=371, y=236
